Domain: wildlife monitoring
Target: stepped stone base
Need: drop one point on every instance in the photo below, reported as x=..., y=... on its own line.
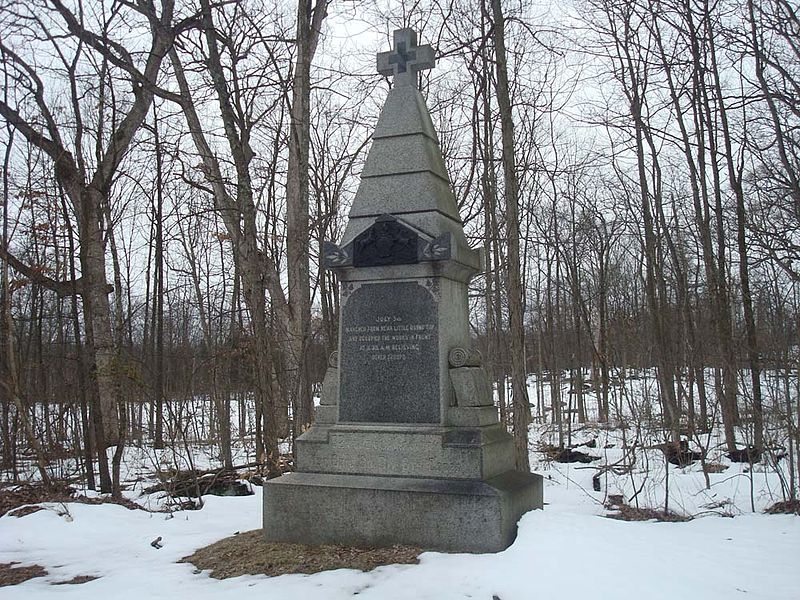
x=372, y=511
x=428, y=452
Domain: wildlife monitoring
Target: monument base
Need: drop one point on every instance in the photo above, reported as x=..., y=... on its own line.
x=372, y=511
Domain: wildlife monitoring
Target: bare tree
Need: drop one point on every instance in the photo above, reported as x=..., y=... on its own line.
x=88, y=186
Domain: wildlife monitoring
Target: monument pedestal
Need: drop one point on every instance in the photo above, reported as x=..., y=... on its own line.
x=368, y=510
x=406, y=447
x=406, y=451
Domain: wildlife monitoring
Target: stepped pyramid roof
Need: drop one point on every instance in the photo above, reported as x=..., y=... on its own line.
x=404, y=175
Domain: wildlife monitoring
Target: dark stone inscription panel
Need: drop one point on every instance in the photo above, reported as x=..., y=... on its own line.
x=389, y=361
x=386, y=242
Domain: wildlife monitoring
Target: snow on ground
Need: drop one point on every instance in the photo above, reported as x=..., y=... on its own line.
x=640, y=476
x=567, y=550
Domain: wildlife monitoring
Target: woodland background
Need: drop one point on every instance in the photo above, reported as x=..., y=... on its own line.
x=171, y=169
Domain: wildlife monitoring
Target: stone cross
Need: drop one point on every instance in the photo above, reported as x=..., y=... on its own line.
x=407, y=59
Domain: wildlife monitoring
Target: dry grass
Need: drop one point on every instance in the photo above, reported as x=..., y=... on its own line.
x=249, y=554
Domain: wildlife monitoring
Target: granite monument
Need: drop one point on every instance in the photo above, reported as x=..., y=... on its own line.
x=406, y=446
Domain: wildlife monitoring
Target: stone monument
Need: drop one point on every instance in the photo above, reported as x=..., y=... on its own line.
x=406, y=446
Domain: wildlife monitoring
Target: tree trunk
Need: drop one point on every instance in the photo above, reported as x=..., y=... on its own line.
x=97, y=311
x=521, y=406
x=309, y=23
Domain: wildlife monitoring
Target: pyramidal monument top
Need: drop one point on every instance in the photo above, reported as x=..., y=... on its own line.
x=404, y=174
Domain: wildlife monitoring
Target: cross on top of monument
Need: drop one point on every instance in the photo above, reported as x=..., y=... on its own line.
x=406, y=59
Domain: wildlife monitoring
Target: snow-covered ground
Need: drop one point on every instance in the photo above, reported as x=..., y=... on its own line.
x=571, y=549
x=568, y=550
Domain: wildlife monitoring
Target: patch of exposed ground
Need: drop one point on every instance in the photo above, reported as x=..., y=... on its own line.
x=19, y=500
x=11, y=575
x=787, y=507
x=624, y=512
x=24, y=511
x=78, y=579
x=249, y=554
x=631, y=513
